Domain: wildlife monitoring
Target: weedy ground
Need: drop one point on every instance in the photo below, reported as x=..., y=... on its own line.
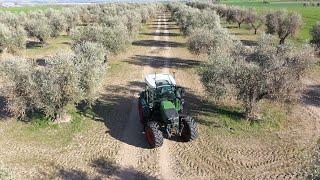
x=107, y=140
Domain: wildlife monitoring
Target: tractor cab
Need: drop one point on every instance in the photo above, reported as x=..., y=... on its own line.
x=162, y=87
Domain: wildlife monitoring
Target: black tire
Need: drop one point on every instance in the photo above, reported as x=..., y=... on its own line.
x=190, y=130
x=153, y=134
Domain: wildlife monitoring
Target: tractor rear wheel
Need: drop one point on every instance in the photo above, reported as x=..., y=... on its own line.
x=189, y=131
x=153, y=134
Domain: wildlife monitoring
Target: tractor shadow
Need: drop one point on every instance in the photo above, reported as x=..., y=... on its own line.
x=160, y=61
x=118, y=110
x=103, y=168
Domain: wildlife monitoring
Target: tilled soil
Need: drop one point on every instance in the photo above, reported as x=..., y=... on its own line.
x=114, y=146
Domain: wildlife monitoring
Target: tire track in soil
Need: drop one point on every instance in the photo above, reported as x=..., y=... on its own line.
x=164, y=151
x=128, y=154
x=130, y=157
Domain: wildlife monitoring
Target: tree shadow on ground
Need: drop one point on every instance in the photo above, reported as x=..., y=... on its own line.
x=103, y=169
x=157, y=43
x=161, y=24
x=33, y=44
x=229, y=26
x=156, y=21
x=4, y=112
x=196, y=105
x=164, y=28
x=249, y=42
x=311, y=95
x=161, y=34
x=159, y=61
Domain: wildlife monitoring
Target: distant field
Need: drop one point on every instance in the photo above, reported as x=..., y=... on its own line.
x=310, y=14
x=29, y=8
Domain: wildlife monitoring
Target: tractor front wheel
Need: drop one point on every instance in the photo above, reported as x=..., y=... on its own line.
x=189, y=131
x=153, y=134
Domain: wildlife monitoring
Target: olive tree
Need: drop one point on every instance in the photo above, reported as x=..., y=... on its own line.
x=114, y=39
x=144, y=14
x=57, y=85
x=270, y=71
x=315, y=34
x=72, y=18
x=240, y=16
x=47, y=89
x=283, y=24
x=19, y=89
x=202, y=40
x=56, y=22
x=12, y=39
x=10, y=19
x=254, y=20
x=133, y=22
x=38, y=28
x=112, y=21
x=237, y=15
x=5, y=34
x=91, y=67
x=191, y=18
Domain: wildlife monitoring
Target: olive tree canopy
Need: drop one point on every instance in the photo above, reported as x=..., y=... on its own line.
x=269, y=71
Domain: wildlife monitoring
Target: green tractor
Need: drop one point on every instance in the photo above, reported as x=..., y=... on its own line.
x=161, y=110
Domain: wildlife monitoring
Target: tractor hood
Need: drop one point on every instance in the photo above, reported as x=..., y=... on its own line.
x=168, y=111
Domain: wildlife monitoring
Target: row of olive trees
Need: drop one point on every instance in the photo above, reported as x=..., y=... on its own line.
x=15, y=29
x=70, y=78
x=266, y=71
x=65, y=79
x=281, y=23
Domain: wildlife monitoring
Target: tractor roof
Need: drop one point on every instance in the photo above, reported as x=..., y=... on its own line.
x=154, y=80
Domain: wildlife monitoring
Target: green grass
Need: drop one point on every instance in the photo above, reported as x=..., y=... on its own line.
x=29, y=8
x=41, y=130
x=229, y=120
x=55, y=45
x=309, y=14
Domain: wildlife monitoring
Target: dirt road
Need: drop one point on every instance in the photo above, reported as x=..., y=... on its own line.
x=128, y=154
x=113, y=145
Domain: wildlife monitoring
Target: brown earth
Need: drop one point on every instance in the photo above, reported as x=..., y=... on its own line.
x=113, y=146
